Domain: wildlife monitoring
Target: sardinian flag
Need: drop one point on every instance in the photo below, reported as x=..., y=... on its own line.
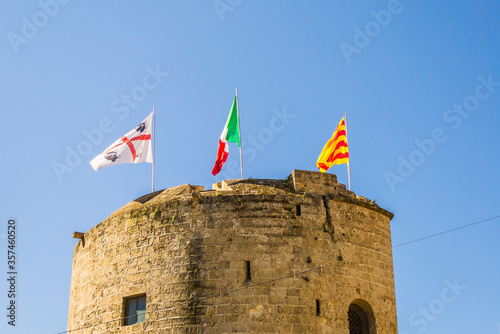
x=134, y=147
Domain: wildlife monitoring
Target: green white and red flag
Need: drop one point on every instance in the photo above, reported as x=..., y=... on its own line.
x=230, y=134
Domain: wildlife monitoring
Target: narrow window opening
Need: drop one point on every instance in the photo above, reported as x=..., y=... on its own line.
x=135, y=310
x=297, y=210
x=318, y=308
x=248, y=272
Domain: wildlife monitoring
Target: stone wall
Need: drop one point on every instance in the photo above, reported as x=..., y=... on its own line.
x=309, y=243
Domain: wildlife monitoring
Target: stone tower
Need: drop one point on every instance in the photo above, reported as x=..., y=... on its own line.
x=301, y=255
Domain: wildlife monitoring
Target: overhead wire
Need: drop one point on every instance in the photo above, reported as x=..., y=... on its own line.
x=444, y=232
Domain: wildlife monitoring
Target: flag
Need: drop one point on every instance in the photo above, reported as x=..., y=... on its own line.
x=134, y=147
x=335, y=151
x=230, y=134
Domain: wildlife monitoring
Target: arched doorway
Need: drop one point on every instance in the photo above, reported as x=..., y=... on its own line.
x=360, y=317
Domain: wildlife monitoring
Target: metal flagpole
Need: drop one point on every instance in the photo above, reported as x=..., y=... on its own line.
x=347, y=142
x=239, y=130
x=154, y=147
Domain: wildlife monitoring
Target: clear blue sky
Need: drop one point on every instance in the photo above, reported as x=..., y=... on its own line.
x=419, y=80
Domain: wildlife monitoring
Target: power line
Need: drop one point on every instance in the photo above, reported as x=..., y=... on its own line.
x=196, y=299
x=447, y=231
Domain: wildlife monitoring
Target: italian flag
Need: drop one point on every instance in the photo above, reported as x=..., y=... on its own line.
x=230, y=134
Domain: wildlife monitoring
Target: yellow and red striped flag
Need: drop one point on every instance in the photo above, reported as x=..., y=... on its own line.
x=335, y=151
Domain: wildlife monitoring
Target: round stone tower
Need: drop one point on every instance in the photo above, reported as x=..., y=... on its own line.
x=301, y=255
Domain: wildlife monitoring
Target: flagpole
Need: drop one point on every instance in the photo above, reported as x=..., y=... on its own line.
x=239, y=130
x=347, y=142
x=154, y=147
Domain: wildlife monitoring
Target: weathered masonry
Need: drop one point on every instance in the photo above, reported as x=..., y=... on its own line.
x=301, y=255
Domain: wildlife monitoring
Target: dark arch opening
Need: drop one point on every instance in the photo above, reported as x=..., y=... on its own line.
x=358, y=321
x=361, y=319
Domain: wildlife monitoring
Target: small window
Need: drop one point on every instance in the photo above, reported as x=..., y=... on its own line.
x=135, y=310
x=248, y=272
x=318, y=308
x=297, y=210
